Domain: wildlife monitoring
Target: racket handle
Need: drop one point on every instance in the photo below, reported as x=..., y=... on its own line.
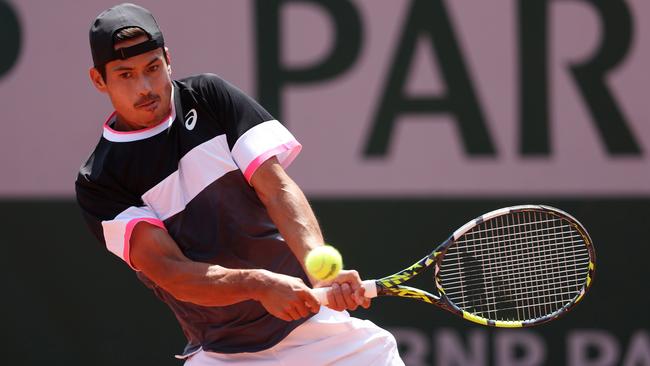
x=368, y=285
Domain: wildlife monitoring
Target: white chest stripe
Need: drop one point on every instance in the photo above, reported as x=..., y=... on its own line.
x=196, y=170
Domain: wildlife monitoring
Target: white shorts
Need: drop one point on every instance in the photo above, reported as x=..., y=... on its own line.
x=327, y=338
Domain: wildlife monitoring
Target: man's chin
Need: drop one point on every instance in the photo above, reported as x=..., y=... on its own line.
x=151, y=119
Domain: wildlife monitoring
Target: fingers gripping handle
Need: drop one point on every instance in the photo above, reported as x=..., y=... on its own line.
x=368, y=285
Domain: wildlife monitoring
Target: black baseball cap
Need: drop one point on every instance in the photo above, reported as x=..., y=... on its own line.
x=115, y=19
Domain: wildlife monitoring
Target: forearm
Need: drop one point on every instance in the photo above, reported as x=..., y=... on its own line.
x=289, y=209
x=295, y=219
x=291, y=213
x=156, y=254
x=213, y=285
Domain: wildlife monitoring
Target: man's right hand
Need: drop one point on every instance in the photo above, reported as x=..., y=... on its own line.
x=286, y=297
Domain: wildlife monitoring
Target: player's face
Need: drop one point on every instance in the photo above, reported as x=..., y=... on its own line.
x=140, y=86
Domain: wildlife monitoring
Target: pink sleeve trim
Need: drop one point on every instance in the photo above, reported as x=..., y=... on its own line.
x=127, y=236
x=293, y=147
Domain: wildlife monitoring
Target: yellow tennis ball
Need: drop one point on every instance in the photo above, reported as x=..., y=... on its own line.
x=324, y=262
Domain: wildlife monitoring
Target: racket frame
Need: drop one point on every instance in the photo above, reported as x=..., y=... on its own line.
x=392, y=285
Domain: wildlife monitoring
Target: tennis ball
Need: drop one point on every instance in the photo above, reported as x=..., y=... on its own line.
x=324, y=262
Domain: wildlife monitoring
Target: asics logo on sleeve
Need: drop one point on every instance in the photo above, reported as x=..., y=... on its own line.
x=190, y=119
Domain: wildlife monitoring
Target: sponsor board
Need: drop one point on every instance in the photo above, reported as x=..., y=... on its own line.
x=411, y=98
x=479, y=347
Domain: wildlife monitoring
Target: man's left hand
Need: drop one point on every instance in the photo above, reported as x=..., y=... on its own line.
x=347, y=293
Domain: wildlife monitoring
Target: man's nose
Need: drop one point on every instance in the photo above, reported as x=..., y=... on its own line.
x=145, y=86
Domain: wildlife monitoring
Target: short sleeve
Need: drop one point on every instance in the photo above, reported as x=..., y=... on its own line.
x=110, y=217
x=253, y=134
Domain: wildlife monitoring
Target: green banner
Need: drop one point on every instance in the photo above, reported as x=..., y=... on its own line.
x=67, y=300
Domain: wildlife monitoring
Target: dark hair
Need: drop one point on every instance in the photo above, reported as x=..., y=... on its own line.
x=129, y=33
x=124, y=35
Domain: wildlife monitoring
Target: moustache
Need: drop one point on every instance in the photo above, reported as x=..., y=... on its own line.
x=146, y=99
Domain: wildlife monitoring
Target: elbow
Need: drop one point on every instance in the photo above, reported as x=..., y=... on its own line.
x=272, y=188
x=173, y=285
x=268, y=198
x=277, y=194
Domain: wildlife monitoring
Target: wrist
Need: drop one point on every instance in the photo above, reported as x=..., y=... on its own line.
x=256, y=283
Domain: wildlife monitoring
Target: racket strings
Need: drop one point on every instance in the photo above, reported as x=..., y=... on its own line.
x=449, y=283
x=531, y=285
x=519, y=266
x=541, y=235
x=543, y=259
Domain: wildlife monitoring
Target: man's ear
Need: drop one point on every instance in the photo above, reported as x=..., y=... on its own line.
x=97, y=79
x=168, y=58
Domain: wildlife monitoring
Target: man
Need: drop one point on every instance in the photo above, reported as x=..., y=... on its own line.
x=187, y=186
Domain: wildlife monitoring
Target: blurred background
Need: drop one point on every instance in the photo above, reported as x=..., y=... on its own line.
x=415, y=117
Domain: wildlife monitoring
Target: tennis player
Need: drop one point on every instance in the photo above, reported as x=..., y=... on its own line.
x=187, y=185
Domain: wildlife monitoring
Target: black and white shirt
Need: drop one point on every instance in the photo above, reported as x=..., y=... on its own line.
x=190, y=175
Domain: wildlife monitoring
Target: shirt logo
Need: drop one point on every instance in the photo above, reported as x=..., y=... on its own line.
x=190, y=119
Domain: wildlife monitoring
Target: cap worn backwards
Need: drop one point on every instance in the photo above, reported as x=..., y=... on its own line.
x=115, y=19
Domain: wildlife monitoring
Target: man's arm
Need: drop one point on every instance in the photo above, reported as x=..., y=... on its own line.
x=156, y=254
x=288, y=208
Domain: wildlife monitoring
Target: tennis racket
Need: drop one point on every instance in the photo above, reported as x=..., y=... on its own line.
x=513, y=267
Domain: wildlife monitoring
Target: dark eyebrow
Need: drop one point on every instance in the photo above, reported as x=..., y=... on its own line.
x=153, y=61
x=122, y=68
x=126, y=68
